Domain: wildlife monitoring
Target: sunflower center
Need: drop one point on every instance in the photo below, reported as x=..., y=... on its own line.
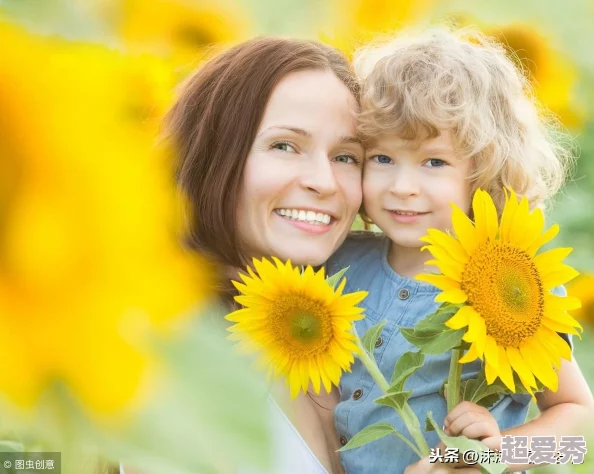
x=302, y=325
x=504, y=287
x=305, y=326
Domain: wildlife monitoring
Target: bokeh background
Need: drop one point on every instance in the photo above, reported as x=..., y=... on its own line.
x=158, y=42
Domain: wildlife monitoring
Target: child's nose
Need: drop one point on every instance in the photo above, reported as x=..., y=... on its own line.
x=405, y=183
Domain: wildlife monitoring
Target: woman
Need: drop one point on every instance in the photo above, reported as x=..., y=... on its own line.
x=271, y=163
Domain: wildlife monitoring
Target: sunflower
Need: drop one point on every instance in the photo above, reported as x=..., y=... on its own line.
x=299, y=324
x=178, y=29
x=492, y=268
x=583, y=289
x=356, y=22
x=88, y=247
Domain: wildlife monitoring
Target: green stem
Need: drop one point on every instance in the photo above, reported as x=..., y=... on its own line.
x=454, y=377
x=406, y=413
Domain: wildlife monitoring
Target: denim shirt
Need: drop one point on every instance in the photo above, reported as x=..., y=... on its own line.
x=402, y=302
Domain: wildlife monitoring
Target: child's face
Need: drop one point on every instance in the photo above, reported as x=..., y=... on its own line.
x=408, y=190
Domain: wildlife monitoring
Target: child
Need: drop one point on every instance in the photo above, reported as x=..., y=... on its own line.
x=443, y=114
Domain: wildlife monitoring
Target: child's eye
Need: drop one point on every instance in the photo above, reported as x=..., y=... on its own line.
x=435, y=163
x=347, y=158
x=382, y=159
x=283, y=146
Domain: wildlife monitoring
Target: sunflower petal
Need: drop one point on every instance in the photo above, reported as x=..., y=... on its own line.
x=452, y=296
x=464, y=230
x=490, y=373
x=545, y=238
x=559, y=275
x=507, y=216
x=539, y=364
x=440, y=281
x=520, y=366
x=470, y=355
x=461, y=318
x=492, y=352
x=505, y=371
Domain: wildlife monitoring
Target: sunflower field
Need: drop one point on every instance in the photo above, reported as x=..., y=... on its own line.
x=83, y=86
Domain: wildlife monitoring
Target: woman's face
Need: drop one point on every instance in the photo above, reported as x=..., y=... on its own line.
x=301, y=187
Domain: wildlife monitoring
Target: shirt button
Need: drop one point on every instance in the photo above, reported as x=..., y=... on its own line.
x=357, y=394
x=403, y=293
x=379, y=341
x=343, y=440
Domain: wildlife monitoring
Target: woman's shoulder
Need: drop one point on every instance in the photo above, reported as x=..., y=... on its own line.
x=359, y=248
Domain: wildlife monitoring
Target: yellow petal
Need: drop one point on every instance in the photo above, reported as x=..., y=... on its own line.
x=558, y=275
x=505, y=371
x=448, y=266
x=539, y=364
x=492, y=352
x=551, y=258
x=470, y=355
x=490, y=373
x=485, y=216
x=461, y=318
x=509, y=210
x=449, y=244
x=465, y=230
x=548, y=235
x=520, y=221
x=520, y=366
x=440, y=281
x=534, y=231
x=452, y=296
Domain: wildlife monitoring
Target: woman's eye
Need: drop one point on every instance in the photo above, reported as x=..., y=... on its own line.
x=435, y=163
x=382, y=159
x=346, y=159
x=283, y=146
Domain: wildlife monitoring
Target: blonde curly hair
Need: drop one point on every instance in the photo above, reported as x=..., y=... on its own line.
x=419, y=83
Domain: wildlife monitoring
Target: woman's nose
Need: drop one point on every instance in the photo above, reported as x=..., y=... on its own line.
x=319, y=177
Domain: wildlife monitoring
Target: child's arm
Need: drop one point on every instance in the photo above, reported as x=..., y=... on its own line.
x=562, y=413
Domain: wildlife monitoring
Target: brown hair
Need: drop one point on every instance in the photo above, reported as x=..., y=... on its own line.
x=214, y=123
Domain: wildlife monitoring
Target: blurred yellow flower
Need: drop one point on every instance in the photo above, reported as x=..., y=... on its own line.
x=551, y=73
x=356, y=22
x=299, y=323
x=582, y=288
x=181, y=29
x=88, y=229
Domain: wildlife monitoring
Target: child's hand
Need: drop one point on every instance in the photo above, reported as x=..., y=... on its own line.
x=475, y=422
x=425, y=467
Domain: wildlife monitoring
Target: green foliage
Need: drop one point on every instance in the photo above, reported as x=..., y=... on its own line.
x=431, y=335
x=334, y=280
x=369, y=434
x=370, y=337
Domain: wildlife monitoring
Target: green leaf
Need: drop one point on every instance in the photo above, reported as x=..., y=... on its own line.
x=436, y=321
x=463, y=444
x=406, y=365
x=369, y=434
x=335, y=279
x=434, y=342
x=370, y=337
x=394, y=399
x=478, y=391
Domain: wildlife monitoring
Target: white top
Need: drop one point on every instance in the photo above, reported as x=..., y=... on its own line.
x=291, y=455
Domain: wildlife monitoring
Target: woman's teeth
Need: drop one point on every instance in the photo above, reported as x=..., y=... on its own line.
x=315, y=218
x=403, y=213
